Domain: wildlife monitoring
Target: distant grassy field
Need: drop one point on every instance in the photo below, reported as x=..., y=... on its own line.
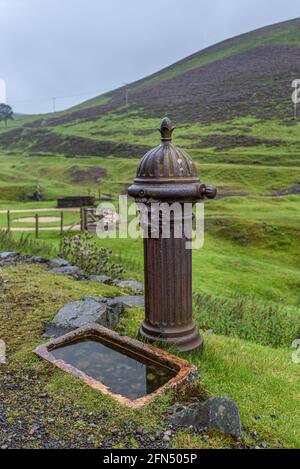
x=252, y=240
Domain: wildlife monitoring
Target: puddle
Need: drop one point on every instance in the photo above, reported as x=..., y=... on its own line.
x=122, y=374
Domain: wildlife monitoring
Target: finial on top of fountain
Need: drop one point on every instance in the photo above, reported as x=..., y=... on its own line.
x=166, y=130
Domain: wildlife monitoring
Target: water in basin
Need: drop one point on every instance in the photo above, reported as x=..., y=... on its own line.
x=122, y=374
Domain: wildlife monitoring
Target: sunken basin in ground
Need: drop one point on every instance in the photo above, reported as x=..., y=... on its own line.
x=128, y=370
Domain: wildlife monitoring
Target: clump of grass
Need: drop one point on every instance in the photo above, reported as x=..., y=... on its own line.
x=25, y=244
x=248, y=319
x=131, y=264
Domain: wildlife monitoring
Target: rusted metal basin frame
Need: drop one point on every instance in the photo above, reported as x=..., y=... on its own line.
x=185, y=372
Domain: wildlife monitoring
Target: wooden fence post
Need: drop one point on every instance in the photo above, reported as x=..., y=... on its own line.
x=8, y=221
x=37, y=225
x=61, y=222
x=82, y=220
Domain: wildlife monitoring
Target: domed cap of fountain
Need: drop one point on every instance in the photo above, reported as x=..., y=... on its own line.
x=168, y=173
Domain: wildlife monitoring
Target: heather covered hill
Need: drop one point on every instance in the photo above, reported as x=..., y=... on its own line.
x=255, y=82
x=222, y=81
x=234, y=95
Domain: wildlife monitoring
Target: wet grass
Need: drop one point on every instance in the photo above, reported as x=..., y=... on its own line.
x=26, y=244
x=261, y=379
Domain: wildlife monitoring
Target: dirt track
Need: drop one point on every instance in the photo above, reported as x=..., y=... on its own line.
x=30, y=210
x=47, y=228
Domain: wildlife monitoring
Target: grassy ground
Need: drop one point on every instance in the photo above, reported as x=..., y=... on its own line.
x=251, y=240
x=249, y=264
x=246, y=279
x=226, y=363
x=56, y=409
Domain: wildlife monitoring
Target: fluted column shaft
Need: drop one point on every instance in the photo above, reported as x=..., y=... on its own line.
x=168, y=290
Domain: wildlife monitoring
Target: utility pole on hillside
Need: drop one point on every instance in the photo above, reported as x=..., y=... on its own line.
x=126, y=96
x=54, y=104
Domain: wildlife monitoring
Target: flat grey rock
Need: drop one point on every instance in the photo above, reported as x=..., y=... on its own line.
x=71, y=270
x=219, y=413
x=100, y=278
x=127, y=301
x=87, y=311
x=58, y=262
x=52, y=332
x=8, y=255
x=80, y=313
x=136, y=287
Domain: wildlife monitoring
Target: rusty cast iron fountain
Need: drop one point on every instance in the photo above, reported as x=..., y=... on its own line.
x=168, y=175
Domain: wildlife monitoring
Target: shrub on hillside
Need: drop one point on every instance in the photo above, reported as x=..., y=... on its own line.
x=84, y=252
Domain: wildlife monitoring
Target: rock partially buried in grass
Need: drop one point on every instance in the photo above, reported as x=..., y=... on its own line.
x=218, y=413
x=58, y=262
x=80, y=313
x=8, y=255
x=101, y=279
x=52, y=332
x=71, y=270
x=103, y=311
x=136, y=287
x=38, y=260
x=127, y=301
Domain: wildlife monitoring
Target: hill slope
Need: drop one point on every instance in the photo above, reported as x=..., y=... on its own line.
x=236, y=94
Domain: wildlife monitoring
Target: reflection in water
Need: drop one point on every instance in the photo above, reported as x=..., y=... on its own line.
x=120, y=373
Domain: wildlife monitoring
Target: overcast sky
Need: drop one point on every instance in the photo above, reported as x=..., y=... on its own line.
x=77, y=49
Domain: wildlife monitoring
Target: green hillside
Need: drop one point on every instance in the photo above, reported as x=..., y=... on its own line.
x=231, y=103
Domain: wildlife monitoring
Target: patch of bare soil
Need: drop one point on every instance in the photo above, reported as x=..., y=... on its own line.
x=41, y=220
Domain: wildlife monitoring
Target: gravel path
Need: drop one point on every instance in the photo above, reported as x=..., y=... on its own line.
x=43, y=423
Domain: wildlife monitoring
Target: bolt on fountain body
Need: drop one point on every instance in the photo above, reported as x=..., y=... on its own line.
x=167, y=175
